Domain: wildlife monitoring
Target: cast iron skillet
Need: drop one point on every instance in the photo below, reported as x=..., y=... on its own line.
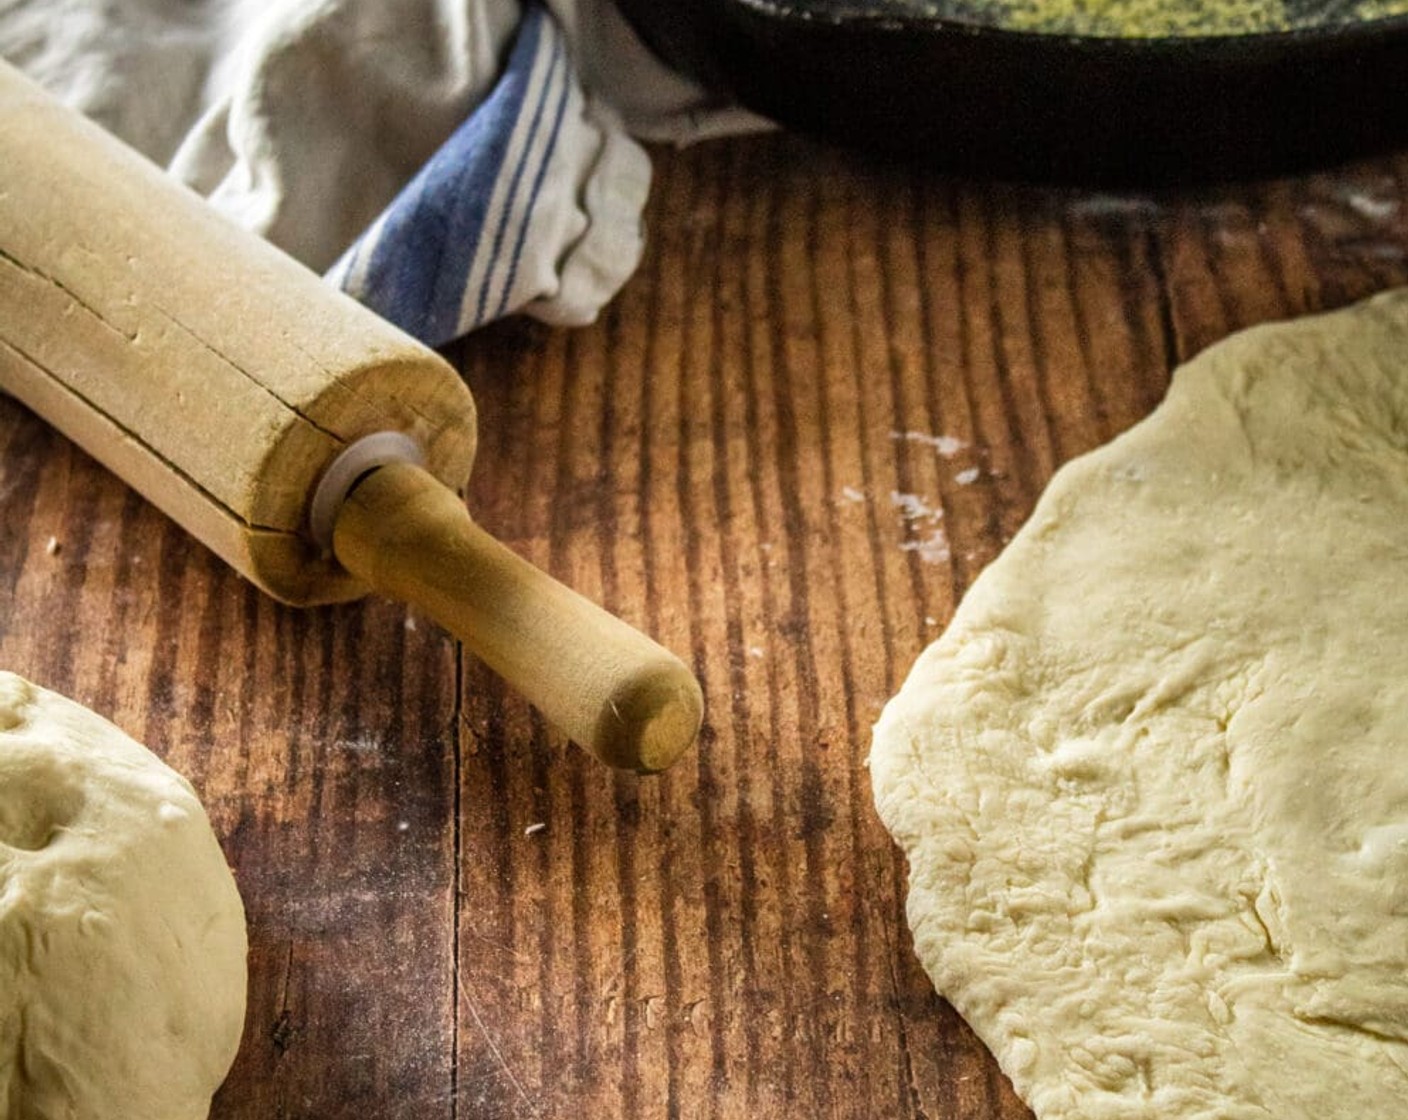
x=1102, y=111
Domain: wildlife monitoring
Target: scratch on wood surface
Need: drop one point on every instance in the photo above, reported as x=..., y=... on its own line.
x=469, y=1006
x=284, y=1030
x=610, y=988
x=498, y=946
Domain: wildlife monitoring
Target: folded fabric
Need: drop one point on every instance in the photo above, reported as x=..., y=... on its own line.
x=448, y=162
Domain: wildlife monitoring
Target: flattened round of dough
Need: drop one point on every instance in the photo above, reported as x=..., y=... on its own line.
x=1153, y=779
x=122, y=936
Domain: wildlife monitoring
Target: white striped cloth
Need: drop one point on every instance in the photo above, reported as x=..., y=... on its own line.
x=455, y=249
x=447, y=162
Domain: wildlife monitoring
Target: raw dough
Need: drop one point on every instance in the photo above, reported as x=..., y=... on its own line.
x=122, y=937
x=1153, y=780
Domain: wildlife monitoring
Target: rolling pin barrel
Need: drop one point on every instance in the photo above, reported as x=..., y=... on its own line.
x=222, y=380
x=212, y=372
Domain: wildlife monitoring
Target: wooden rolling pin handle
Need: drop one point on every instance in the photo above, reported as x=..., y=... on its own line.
x=608, y=687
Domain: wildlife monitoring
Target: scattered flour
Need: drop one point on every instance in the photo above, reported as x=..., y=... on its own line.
x=918, y=514
x=912, y=507
x=932, y=549
x=1371, y=206
x=946, y=446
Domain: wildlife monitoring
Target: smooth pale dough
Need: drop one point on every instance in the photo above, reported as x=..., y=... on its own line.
x=1153, y=780
x=122, y=936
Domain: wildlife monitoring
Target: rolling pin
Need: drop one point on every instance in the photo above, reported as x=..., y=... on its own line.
x=316, y=448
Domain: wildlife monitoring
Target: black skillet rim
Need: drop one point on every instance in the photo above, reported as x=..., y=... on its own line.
x=1098, y=110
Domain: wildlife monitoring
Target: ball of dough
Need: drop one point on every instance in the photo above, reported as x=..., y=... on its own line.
x=122, y=936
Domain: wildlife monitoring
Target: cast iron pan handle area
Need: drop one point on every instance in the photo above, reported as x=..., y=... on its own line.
x=983, y=100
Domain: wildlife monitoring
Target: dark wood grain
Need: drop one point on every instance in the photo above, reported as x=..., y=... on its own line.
x=740, y=458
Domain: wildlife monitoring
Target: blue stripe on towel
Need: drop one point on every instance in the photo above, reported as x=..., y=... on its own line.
x=425, y=244
x=533, y=200
x=513, y=191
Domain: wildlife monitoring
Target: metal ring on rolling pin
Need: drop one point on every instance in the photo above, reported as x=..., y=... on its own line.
x=366, y=454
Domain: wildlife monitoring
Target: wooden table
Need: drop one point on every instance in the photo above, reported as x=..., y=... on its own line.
x=452, y=912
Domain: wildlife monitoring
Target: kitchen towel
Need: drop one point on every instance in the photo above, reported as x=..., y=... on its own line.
x=448, y=162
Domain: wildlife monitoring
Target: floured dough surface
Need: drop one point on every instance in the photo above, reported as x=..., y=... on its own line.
x=1153, y=779
x=122, y=936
